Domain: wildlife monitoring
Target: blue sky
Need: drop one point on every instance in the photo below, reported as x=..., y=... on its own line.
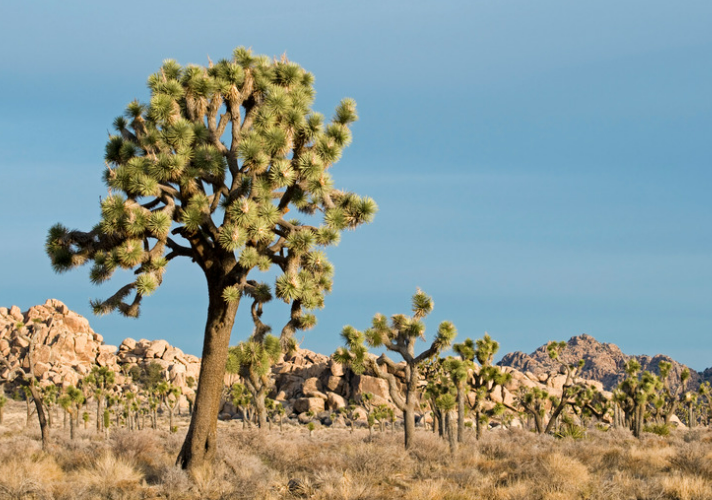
x=542, y=168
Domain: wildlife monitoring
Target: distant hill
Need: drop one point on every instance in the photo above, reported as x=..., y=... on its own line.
x=604, y=362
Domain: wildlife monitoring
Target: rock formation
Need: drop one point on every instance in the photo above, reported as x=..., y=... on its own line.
x=66, y=348
x=604, y=362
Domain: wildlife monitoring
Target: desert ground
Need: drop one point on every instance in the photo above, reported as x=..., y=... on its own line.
x=335, y=463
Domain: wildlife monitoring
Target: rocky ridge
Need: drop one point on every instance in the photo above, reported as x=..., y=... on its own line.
x=603, y=362
x=66, y=349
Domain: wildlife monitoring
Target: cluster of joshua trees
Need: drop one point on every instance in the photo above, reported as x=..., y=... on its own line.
x=114, y=406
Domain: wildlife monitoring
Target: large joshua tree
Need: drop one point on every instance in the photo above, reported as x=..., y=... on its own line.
x=399, y=336
x=208, y=170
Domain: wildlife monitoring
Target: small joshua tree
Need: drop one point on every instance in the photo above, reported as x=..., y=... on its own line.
x=483, y=379
x=634, y=394
x=101, y=379
x=25, y=373
x=350, y=414
x=447, y=403
x=399, y=336
x=254, y=360
x=242, y=400
x=169, y=395
x=535, y=400
x=71, y=401
x=207, y=171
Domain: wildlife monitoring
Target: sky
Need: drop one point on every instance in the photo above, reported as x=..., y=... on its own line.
x=542, y=168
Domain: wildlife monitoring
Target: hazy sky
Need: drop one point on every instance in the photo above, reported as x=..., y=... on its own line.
x=542, y=168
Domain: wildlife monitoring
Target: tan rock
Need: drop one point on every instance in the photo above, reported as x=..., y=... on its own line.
x=336, y=369
x=312, y=388
x=334, y=384
x=302, y=405
x=76, y=323
x=156, y=349
x=108, y=349
x=334, y=401
x=41, y=368
x=127, y=345
x=365, y=383
x=16, y=314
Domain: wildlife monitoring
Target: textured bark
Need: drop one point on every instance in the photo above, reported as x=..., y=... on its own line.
x=460, y=414
x=41, y=416
x=452, y=440
x=201, y=441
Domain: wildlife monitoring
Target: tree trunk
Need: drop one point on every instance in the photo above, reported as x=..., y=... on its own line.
x=170, y=419
x=71, y=427
x=201, y=440
x=538, y=423
x=41, y=416
x=557, y=411
x=451, y=433
x=460, y=414
x=478, y=425
x=409, y=426
x=99, y=413
x=690, y=416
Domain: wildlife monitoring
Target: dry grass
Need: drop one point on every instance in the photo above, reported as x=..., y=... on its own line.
x=335, y=464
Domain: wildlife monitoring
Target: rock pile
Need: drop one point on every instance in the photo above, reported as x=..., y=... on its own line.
x=604, y=362
x=66, y=348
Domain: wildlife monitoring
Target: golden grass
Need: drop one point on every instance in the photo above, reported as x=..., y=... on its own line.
x=336, y=464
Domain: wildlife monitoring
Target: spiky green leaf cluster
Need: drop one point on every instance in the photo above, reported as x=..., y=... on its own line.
x=207, y=169
x=254, y=357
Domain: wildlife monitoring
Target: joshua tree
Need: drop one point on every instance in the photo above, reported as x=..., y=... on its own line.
x=535, y=400
x=25, y=373
x=400, y=337
x=71, y=401
x=670, y=395
x=382, y=414
x=101, y=380
x=242, y=400
x=178, y=190
x=447, y=403
x=169, y=395
x=458, y=372
x=275, y=412
x=253, y=361
x=483, y=380
x=50, y=393
x=634, y=394
x=350, y=414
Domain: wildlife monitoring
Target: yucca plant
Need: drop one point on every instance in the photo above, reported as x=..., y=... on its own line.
x=101, y=379
x=253, y=361
x=71, y=401
x=399, y=336
x=207, y=170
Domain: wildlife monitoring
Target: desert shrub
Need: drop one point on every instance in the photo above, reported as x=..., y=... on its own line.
x=658, y=429
x=679, y=487
x=28, y=476
x=109, y=476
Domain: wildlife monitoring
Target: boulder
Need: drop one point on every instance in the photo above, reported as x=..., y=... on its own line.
x=361, y=384
x=315, y=405
x=312, y=388
x=334, y=401
x=127, y=345
x=156, y=349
